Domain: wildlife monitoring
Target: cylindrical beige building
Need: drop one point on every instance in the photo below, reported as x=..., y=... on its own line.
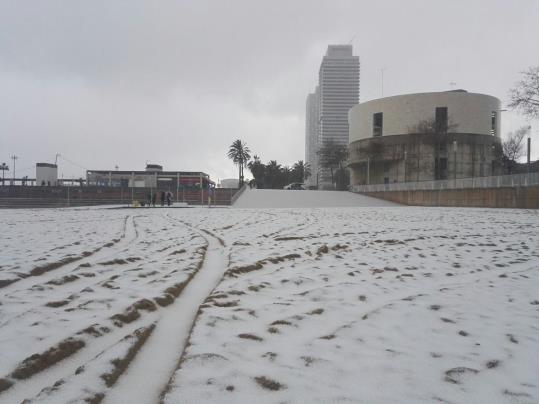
x=425, y=136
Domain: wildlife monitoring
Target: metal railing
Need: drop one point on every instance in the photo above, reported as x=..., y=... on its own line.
x=500, y=181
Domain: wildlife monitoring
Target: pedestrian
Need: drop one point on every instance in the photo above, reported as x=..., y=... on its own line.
x=154, y=197
x=169, y=198
x=149, y=199
x=162, y=198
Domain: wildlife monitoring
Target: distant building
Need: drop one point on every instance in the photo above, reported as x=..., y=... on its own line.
x=312, y=117
x=46, y=174
x=426, y=136
x=152, y=177
x=230, y=183
x=337, y=92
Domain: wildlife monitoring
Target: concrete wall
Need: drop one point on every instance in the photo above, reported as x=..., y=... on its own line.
x=469, y=111
x=515, y=197
x=412, y=157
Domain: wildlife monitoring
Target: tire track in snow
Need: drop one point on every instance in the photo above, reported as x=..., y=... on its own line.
x=152, y=368
x=40, y=380
x=105, y=251
x=27, y=388
x=25, y=285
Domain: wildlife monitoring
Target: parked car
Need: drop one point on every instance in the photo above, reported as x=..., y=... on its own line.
x=295, y=186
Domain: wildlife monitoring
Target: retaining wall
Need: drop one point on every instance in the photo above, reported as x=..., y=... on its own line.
x=510, y=197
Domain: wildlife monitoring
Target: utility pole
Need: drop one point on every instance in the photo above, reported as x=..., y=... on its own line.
x=4, y=167
x=202, y=191
x=368, y=171
x=405, y=155
x=14, y=158
x=529, y=145
x=455, y=157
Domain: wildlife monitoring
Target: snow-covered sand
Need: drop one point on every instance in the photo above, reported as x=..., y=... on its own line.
x=350, y=304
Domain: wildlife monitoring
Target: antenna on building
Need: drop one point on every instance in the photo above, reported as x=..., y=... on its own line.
x=354, y=37
x=382, y=74
x=56, y=158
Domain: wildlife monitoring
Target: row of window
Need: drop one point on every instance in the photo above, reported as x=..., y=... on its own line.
x=440, y=122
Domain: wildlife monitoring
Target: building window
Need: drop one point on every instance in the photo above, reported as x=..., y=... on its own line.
x=441, y=119
x=493, y=123
x=377, y=124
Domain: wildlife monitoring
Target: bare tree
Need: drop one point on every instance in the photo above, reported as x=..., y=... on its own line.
x=333, y=156
x=513, y=148
x=430, y=127
x=437, y=132
x=525, y=96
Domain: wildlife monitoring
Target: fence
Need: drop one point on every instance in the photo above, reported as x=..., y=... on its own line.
x=500, y=181
x=65, y=196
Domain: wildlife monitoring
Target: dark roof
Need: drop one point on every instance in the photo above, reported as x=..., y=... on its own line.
x=46, y=165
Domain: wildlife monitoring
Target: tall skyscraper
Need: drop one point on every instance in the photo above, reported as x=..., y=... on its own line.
x=338, y=84
x=312, y=117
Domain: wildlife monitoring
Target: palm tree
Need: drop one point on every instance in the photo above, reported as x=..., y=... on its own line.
x=258, y=170
x=273, y=172
x=300, y=171
x=239, y=153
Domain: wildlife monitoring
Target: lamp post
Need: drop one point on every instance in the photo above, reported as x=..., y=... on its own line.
x=405, y=154
x=455, y=158
x=14, y=158
x=529, y=145
x=368, y=170
x=4, y=167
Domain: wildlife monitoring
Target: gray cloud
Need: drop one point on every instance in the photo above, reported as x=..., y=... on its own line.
x=175, y=82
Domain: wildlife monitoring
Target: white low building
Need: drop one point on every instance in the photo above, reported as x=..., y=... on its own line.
x=230, y=183
x=46, y=174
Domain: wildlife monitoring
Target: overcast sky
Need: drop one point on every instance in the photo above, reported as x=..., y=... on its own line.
x=111, y=82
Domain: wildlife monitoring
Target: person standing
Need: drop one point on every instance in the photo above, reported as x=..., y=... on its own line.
x=154, y=198
x=162, y=198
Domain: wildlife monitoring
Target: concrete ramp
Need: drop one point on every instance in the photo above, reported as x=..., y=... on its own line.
x=277, y=198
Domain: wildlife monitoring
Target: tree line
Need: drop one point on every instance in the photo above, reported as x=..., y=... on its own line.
x=268, y=176
x=272, y=175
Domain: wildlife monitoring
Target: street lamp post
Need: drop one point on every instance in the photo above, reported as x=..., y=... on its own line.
x=529, y=145
x=368, y=171
x=455, y=158
x=405, y=154
x=4, y=167
x=14, y=158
